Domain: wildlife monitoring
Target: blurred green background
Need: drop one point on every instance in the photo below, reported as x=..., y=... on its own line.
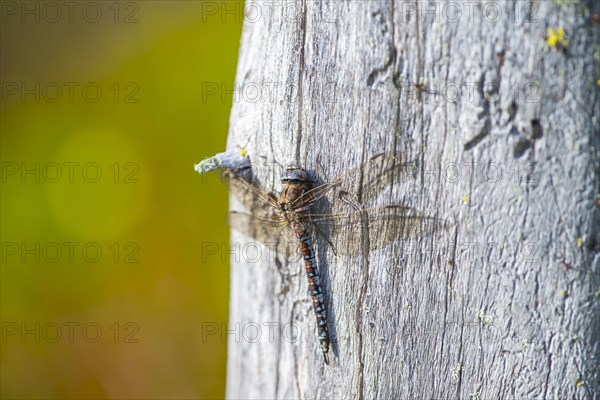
x=106, y=290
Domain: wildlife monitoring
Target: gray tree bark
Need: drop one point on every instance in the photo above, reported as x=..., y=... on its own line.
x=504, y=128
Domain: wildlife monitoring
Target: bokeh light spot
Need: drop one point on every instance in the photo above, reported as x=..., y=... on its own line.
x=103, y=187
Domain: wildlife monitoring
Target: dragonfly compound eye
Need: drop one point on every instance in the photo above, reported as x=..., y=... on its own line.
x=294, y=174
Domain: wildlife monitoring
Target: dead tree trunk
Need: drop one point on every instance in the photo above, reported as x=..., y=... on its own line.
x=500, y=116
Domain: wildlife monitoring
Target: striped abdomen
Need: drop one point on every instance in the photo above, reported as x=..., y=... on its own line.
x=314, y=287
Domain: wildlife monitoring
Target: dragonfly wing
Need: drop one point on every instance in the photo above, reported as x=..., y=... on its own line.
x=268, y=231
x=396, y=223
x=383, y=225
x=262, y=223
x=249, y=193
x=376, y=174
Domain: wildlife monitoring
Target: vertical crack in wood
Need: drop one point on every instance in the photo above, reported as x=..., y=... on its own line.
x=365, y=244
x=461, y=366
x=445, y=137
x=420, y=73
x=300, y=82
x=394, y=72
x=460, y=350
x=296, y=368
x=286, y=284
x=444, y=324
x=547, y=383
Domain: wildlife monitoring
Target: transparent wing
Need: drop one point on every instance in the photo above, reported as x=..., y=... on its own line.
x=269, y=231
x=375, y=174
x=262, y=223
x=369, y=178
x=359, y=231
x=347, y=228
x=250, y=194
x=277, y=238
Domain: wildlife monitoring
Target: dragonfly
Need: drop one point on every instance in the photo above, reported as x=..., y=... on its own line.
x=294, y=214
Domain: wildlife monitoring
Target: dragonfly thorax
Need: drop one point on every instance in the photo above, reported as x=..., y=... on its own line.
x=292, y=195
x=295, y=183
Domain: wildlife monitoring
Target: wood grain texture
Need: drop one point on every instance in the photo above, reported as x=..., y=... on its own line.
x=505, y=133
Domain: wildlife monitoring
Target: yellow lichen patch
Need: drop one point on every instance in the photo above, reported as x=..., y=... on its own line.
x=486, y=319
x=457, y=371
x=556, y=37
x=579, y=242
x=244, y=152
x=466, y=199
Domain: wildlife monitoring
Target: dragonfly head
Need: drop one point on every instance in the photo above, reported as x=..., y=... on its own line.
x=294, y=174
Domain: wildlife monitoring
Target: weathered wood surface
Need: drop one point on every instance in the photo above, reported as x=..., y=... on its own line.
x=504, y=304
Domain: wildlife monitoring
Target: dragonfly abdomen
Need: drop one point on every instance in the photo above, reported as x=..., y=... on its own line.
x=314, y=288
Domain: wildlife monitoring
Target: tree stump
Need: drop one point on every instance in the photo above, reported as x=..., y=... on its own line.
x=501, y=117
